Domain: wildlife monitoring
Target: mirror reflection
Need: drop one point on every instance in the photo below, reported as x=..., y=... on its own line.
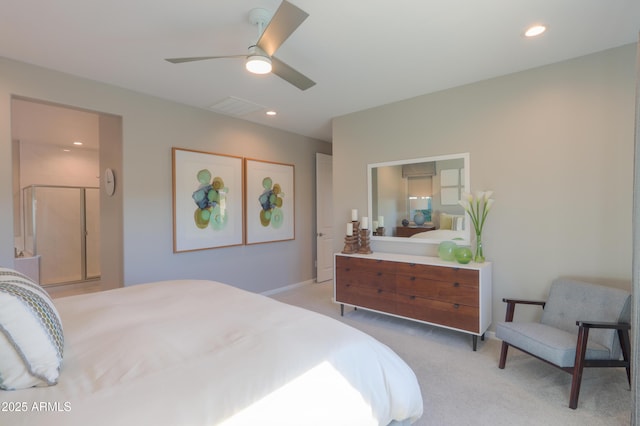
x=417, y=200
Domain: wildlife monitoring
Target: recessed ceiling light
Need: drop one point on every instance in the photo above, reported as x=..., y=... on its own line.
x=77, y=143
x=271, y=112
x=66, y=150
x=535, y=30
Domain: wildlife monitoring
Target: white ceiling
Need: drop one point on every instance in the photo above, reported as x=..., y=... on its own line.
x=361, y=53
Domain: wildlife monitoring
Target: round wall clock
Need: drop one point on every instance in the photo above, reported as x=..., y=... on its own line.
x=109, y=182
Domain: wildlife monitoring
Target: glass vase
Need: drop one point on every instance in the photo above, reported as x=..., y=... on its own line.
x=479, y=257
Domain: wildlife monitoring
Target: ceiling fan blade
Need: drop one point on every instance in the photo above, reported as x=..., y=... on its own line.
x=287, y=18
x=201, y=58
x=290, y=75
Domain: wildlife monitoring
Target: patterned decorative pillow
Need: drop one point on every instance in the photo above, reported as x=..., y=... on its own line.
x=31, y=339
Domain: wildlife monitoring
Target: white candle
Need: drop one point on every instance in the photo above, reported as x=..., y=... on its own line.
x=375, y=224
x=381, y=221
x=349, y=229
x=354, y=215
x=365, y=222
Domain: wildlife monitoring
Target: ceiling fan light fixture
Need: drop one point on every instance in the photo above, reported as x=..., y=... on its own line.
x=258, y=64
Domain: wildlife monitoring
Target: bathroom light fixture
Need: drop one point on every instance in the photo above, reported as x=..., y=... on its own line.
x=77, y=143
x=271, y=113
x=258, y=64
x=535, y=30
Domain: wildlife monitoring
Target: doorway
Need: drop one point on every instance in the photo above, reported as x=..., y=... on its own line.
x=58, y=207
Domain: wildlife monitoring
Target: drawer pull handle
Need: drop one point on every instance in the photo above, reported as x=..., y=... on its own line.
x=456, y=306
x=412, y=264
x=347, y=269
x=379, y=290
x=412, y=278
x=379, y=274
x=412, y=297
x=456, y=284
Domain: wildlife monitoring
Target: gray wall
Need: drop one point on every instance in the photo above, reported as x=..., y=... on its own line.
x=555, y=144
x=151, y=126
x=635, y=314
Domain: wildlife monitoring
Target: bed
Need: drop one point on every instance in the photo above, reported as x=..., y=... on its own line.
x=441, y=234
x=194, y=352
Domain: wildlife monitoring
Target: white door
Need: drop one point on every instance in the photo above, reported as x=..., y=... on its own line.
x=324, y=220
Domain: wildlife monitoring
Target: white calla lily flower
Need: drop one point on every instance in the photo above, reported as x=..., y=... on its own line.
x=477, y=207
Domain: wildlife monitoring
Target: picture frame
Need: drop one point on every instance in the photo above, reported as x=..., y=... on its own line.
x=270, y=201
x=450, y=186
x=208, y=197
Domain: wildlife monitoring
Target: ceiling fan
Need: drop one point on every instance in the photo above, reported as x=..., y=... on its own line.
x=260, y=59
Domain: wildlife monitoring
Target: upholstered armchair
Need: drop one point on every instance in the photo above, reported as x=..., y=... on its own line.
x=582, y=325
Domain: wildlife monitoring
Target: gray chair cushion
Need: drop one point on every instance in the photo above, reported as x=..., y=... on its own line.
x=546, y=342
x=571, y=300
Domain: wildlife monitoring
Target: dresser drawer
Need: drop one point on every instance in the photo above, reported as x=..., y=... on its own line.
x=452, y=292
x=442, y=313
x=356, y=263
x=439, y=273
x=367, y=297
x=366, y=278
x=365, y=273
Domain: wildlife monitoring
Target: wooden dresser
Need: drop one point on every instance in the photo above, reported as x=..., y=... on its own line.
x=420, y=288
x=407, y=231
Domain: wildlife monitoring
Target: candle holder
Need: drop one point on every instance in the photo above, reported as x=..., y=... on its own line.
x=351, y=244
x=364, y=242
x=380, y=231
x=356, y=232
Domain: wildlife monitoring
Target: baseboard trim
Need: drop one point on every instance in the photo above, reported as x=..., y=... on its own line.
x=287, y=287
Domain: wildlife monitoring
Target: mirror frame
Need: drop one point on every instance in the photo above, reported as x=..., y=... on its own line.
x=466, y=188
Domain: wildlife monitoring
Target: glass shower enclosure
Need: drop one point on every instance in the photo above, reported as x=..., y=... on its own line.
x=62, y=225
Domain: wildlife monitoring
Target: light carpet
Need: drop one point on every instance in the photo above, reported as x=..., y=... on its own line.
x=462, y=387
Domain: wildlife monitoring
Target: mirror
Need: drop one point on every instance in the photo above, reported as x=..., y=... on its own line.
x=417, y=200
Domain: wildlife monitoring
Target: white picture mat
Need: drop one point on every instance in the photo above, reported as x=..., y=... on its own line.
x=449, y=196
x=282, y=174
x=450, y=177
x=187, y=164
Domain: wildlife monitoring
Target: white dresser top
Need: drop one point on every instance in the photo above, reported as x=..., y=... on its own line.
x=423, y=260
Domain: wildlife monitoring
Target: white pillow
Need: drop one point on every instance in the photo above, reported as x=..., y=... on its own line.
x=31, y=339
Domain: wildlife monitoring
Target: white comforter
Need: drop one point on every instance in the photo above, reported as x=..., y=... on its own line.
x=440, y=234
x=205, y=353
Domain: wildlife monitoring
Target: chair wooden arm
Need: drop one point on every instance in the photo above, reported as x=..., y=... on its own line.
x=611, y=325
x=511, y=306
x=526, y=302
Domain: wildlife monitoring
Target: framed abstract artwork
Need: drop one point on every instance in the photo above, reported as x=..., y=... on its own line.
x=207, y=200
x=270, y=201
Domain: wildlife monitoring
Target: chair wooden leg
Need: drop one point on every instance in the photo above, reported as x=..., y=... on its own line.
x=625, y=344
x=503, y=355
x=578, y=366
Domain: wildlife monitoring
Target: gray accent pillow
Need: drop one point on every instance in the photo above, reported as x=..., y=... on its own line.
x=31, y=338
